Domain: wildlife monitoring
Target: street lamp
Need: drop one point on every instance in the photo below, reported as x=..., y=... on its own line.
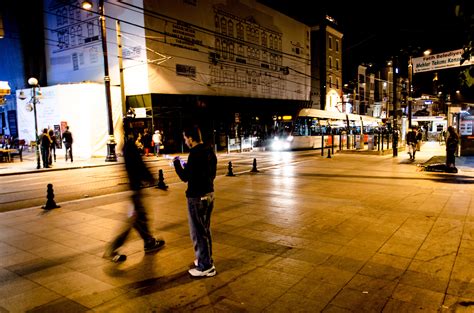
x=111, y=156
x=33, y=82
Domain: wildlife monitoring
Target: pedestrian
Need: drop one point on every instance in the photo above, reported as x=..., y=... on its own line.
x=157, y=142
x=52, y=151
x=139, y=143
x=419, y=137
x=199, y=173
x=137, y=174
x=146, y=139
x=451, y=147
x=67, y=139
x=45, y=143
x=411, y=143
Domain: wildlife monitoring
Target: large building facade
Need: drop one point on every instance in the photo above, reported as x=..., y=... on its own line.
x=326, y=67
x=232, y=66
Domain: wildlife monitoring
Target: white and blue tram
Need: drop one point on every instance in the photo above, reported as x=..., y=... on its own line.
x=315, y=129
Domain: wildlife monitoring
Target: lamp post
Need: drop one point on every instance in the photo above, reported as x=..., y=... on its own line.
x=111, y=156
x=410, y=81
x=33, y=82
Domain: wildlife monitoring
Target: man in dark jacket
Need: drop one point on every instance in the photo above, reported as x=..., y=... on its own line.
x=67, y=138
x=199, y=173
x=137, y=173
x=411, y=143
x=45, y=143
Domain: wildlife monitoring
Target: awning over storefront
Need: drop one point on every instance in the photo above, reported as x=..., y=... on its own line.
x=4, y=88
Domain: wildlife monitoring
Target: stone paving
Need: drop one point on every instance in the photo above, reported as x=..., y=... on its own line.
x=353, y=233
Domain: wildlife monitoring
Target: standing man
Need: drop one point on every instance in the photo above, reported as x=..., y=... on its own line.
x=45, y=147
x=199, y=173
x=52, y=151
x=67, y=137
x=157, y=140
x=411, y=143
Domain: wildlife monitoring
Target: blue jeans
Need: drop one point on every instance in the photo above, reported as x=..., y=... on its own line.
x=199, y=217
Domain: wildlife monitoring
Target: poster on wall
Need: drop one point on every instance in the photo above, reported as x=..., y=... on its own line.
x=57, y=133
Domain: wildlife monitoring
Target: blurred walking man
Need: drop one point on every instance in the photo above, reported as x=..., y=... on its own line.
x=137, y=173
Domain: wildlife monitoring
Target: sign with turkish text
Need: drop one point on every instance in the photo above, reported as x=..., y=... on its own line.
x=439, y=61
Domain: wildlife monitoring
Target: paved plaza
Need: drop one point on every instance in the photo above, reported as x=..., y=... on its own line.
x=351, y=233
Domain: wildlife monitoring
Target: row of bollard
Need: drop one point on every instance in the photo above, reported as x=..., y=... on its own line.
x=51, y=204
x=253, y=170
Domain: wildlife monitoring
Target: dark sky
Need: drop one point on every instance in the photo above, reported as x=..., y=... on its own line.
x=376, y=30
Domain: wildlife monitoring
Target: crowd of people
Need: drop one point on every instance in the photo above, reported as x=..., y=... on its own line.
x=414, y=138
x=49, y=141
x=148, y=144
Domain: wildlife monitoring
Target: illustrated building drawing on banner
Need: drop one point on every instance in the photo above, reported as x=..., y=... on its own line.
x=235, y=48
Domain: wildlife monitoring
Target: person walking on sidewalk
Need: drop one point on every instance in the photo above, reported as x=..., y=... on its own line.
x=199, y=173
x=67, y=138
x=411, y=143
x=451, y=147
x=137, y=173
x=419, y=137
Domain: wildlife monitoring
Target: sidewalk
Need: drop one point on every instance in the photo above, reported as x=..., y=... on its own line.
x=351, y=233
x=29, y=164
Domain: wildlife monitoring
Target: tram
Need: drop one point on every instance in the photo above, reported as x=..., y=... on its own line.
x=315, y=129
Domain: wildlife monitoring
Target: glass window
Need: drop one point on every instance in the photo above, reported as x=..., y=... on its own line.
x=330, y=42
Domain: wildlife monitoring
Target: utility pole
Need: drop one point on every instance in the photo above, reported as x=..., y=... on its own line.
x=410, y=94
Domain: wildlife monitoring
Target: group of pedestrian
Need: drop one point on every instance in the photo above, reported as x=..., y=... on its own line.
x=148, y=144
x=414, y=138
x=199, y=172
x=48, y=142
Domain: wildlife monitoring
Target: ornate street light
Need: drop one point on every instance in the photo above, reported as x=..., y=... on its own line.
x=111, y=156
x=33, y=82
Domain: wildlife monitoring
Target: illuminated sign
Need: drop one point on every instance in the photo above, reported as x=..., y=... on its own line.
x=439, y=61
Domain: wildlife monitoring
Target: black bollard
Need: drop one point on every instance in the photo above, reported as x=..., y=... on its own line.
x=50, y=204
x=161, y=181
x=229, y=172
x=329, y=154
x=254, y=168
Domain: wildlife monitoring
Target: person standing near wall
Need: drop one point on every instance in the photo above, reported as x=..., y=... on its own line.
x=199, y=173
x=67, y=139
x=147, y=142
x=52, y=151
x=45, y=143
x=157, y=140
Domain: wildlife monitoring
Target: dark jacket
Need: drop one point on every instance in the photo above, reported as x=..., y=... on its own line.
x=199, y=172
x=67, y=137
x=45, y=141
x=411, y=137
x=136, y=168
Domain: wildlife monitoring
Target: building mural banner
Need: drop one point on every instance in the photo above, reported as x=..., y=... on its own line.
x=439, y=61
x=82, y=107
x=227, y=47
x=74, y=43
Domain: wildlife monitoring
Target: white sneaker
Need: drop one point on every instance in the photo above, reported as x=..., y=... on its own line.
x=196, y=272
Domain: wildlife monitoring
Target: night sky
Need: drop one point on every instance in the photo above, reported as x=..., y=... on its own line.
x=377, y=31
